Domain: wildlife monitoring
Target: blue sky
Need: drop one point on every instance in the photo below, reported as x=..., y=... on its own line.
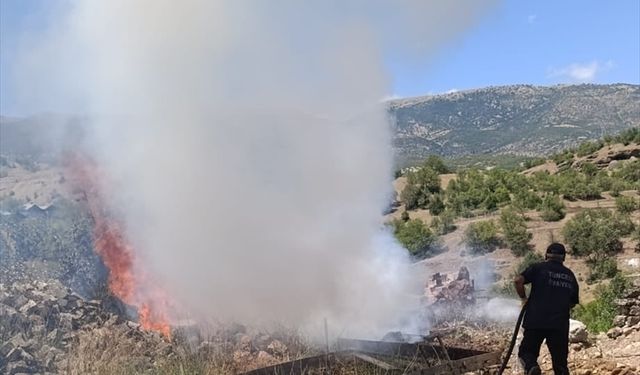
x=541, y=42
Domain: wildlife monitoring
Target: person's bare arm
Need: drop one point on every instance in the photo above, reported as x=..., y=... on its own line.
x=519, y=284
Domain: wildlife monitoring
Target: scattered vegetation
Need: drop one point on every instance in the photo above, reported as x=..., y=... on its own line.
x=421, y=185
x=482, y=236
x=596, y=234
x=625, y=137
x=530, y=163
x=626, y=205
x=603, y=269
x=444, y=223
x=589, y=147
x=475, y=192
x=506, y=288
x=551, y=208
x=435, y=163
x=598, y=314
x=529, y=259
x=488, y=161
x=526, y=200
x=414, y=236
x=514, y=229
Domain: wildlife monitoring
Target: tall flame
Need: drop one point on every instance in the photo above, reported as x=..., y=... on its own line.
x=131, y=285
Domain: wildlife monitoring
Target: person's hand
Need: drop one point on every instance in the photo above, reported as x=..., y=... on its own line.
x=523, y=301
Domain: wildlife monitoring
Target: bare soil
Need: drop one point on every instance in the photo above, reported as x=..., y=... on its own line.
x=39, y=187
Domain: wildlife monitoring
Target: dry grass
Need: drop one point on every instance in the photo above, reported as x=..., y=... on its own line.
x=108, y=351
x=114, y=351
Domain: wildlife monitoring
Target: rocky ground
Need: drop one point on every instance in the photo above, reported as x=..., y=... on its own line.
x=616, y=352
x=45, y=328
x=40, y=322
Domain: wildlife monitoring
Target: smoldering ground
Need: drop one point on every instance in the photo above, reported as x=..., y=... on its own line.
x=246, y=145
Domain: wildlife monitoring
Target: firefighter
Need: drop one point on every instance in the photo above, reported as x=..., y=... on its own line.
x=554, y=292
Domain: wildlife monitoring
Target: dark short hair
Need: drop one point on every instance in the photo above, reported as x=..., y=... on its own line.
x=556, y=249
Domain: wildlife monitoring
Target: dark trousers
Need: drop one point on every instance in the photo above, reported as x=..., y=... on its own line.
x=557, y=342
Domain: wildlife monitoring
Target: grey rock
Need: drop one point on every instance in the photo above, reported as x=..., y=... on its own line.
x=44, y=319
x=20, y=367
x=261, y=341
x=7, y=311
x=619, y=321
x=14, y=342
x=17, y=354
x=633, y=320
x=27, y=307
x=633, y=293
x=614, y=332
x=65, y=321
x=132, y=325
x=623, y=306
x=17, y=301
x=277, y=348
x=6, y=347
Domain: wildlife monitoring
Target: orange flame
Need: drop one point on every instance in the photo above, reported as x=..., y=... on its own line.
x=118, y=255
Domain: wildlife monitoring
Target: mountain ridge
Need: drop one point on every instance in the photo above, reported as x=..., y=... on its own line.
x=514, y=119
x=524, y=120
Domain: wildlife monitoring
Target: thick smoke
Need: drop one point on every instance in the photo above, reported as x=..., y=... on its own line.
x=247, y=146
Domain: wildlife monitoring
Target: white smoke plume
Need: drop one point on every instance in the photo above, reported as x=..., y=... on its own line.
x=247, y=144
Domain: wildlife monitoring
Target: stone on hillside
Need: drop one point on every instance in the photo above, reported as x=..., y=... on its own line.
x=244, y=342
x=132, y=325
x=20, y=367
x=619, y=321
x=277, y=348
x=261, y=341
x=634, y=310
x=37, y=326
x=7, y=311
x=17, y=301
x=634, y=292
x=205, y=348
x=633, y=320
x=65, y=321
x=241, y=356
x=13, y=343
x=5, y=348
x=17, y=354
x=26, y=308
x=623, y=305
x=614, y=332
x=577, y=332
x=45, y=318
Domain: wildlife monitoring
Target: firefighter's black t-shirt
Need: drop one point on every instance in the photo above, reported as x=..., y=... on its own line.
x=554, y=290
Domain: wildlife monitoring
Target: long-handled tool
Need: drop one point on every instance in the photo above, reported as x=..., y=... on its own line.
x=513, y=340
